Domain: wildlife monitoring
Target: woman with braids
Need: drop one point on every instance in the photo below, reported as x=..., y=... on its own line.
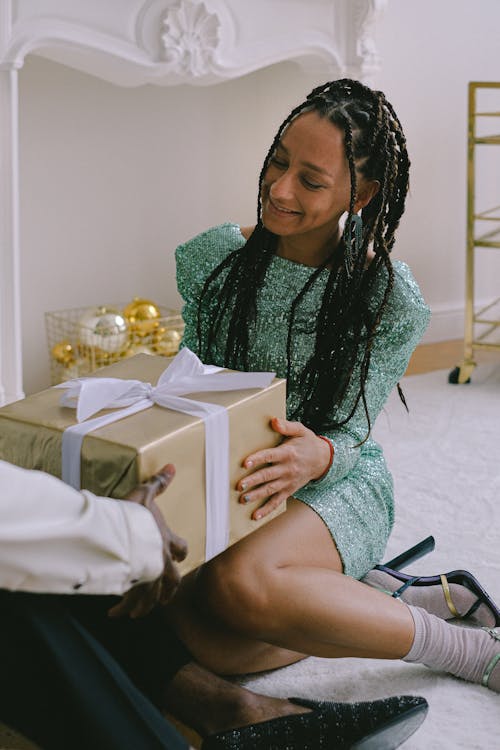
x=327, y=309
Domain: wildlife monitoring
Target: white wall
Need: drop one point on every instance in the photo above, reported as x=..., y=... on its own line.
x=431, y=49
x=112, y=179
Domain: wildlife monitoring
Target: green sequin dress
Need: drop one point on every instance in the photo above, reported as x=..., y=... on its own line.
x=355, y=498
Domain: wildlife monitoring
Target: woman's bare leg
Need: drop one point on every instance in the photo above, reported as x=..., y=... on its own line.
x=216, y=646
x=283, y=587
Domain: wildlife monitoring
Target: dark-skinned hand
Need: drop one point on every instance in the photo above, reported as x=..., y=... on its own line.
x=140, y=600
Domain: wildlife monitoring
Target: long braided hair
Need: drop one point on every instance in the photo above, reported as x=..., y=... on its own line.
x=346, y=322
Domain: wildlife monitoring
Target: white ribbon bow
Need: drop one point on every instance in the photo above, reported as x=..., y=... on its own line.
x=185, y=374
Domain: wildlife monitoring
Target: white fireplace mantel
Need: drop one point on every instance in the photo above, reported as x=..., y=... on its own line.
x=161, y=42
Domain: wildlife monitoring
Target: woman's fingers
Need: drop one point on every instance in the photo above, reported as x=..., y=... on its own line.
x=264, y=492
x=268, y=507
x=281, y=471
x=289, y=429
x=261, y=476
x=274, y=455
x=267, y=480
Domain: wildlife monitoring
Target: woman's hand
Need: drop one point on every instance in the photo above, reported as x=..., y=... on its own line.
x=280, y=471
x=141, y=599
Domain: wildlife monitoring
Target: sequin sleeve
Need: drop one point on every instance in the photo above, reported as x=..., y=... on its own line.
x=195, y=260
x=403, y=324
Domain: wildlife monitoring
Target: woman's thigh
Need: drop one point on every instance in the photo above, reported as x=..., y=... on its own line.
x=216, y=612
x=243, y=581
x=297, y=537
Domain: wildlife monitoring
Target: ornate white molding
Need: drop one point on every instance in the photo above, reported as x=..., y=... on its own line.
x=364, y=58
x=165, y=42
x=190, y=38
x=11, y=384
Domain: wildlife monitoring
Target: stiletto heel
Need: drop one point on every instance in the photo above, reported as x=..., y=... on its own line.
x=410, y=555
x=461, y=577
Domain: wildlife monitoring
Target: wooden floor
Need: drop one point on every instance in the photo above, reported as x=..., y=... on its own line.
x=442, y=356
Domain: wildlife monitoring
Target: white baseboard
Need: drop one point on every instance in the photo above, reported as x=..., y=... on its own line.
x=446, y=323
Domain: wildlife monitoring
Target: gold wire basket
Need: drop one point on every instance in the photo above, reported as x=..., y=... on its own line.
x=83, y=339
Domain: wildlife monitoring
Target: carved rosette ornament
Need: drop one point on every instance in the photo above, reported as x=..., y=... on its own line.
x=365, y=15
x=190, y=37
x=160, y=42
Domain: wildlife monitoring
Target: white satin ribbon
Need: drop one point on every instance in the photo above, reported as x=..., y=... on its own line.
x=185, y=374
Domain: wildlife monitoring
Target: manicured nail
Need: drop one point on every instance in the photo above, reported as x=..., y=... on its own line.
x=247, y=498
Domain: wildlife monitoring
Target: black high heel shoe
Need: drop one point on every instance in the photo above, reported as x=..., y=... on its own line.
x=462, y=577
x=413, y=553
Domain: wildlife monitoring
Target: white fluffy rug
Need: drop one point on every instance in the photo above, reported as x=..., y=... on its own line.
x=445, y=457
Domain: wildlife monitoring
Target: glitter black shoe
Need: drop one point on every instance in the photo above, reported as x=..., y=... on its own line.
x=378, y=725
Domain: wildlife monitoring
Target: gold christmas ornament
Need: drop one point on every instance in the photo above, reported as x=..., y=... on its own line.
x=168, y=343
x=63, y=353
x=78, y=369
x=142, y=316
x=141, y=350
x=128, y=353
x=104, y=330
x=96, y=357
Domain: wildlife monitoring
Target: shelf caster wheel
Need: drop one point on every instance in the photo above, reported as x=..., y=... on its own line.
x=460, y=375
x=453, y=376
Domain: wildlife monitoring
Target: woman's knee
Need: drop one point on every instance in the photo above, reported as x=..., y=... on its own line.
x=233, y=588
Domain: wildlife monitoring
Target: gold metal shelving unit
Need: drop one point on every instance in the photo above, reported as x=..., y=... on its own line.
x=480, y=325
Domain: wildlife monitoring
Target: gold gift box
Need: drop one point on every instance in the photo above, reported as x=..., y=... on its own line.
x=115, y=458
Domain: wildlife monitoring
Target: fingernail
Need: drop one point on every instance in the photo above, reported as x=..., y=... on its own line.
x=258, y=516
x=249, y=464
x=243, y=486
x=247, y=498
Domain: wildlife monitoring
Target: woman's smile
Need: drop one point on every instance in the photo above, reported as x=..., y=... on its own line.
x=281, y=210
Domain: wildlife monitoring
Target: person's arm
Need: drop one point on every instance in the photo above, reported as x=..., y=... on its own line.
x=195, y=260
x=292, y=469
x=54, y=539
x=399, y=332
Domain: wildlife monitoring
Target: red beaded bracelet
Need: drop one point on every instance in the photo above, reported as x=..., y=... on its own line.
x=330, y=462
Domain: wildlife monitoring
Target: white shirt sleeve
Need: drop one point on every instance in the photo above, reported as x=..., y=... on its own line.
x=55, y=539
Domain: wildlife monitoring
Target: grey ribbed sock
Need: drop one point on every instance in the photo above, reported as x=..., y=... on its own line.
x=464, y=652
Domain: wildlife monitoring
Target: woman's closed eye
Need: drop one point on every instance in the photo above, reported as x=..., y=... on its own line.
x=278, y=162
x=283, y=165
x=310, y=185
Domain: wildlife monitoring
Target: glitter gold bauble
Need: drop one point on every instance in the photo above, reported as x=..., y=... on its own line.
x=168, y=344
x=63, y=353
x=142, y=316
x=105, y=329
